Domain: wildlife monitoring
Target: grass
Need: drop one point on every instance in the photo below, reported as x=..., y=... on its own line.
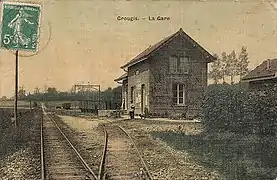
x=56, y=103
x=12, y=138
x=11, y=103
x=21, y=103
x=235, y=156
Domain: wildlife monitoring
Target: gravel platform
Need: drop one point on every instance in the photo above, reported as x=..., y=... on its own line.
x=163, y=161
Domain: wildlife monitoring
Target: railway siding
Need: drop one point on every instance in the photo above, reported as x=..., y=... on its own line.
x=119, y=162
x=122, y=160
x=162, y=161
x=165, y=162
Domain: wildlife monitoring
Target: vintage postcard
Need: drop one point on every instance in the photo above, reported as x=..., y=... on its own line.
x=138, y=89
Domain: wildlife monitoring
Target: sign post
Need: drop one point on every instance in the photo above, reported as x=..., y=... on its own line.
x=19, y=31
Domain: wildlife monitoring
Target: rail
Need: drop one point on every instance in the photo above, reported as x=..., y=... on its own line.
x=42, y=150
x=146, y=170
x=101, y=167
x=101, y=174
x=76, y=152
x=43, y=174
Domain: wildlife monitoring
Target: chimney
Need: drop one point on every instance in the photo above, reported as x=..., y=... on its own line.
x=268, y=64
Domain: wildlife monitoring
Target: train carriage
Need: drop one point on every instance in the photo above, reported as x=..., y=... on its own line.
x=91, y=106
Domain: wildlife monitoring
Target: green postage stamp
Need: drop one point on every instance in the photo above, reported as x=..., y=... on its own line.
x=20, y=26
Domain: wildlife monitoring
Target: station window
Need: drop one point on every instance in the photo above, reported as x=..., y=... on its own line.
x=179, y=94
x=178, y=64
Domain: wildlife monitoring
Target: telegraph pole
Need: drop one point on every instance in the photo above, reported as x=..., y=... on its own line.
x=0, y=78
x=14, y=36
x=16, y=88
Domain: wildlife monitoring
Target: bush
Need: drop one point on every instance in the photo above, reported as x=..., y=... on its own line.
x=225, y=109
x=263, y=106
x=231, y=108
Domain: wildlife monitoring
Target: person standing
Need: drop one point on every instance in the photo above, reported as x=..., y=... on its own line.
x=132, y=111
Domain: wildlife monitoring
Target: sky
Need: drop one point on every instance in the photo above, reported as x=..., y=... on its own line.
x=82, y=40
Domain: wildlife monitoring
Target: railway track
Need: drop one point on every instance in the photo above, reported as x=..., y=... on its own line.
x=121, y=158
x=60, y=159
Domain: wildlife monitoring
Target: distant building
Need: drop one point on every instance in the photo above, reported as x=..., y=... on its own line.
x=168, y=78
x=262, y=77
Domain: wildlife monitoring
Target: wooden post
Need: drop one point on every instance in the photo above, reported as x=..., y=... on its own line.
x=16, y=88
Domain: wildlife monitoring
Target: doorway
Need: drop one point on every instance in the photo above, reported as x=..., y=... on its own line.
x=142, y=98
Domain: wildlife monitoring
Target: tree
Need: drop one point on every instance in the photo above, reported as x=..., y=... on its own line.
x=112, y=97
x=108, y=97
x=45, y=88
x=72, y=90
x=21, y=92
x=232, y=66
x=117, y=96
x=3, y=98
x=215, y=74
x=224, y=66
x=243, y=62
x=51, y=90
x=36, y=90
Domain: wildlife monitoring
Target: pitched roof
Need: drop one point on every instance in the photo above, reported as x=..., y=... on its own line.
x=124, y=76
x=151, y=49
x=265, y=70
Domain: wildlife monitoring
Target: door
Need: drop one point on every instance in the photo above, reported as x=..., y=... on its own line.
x=142, y=98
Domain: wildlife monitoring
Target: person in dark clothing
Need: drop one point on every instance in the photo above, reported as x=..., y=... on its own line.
x=132, y=112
